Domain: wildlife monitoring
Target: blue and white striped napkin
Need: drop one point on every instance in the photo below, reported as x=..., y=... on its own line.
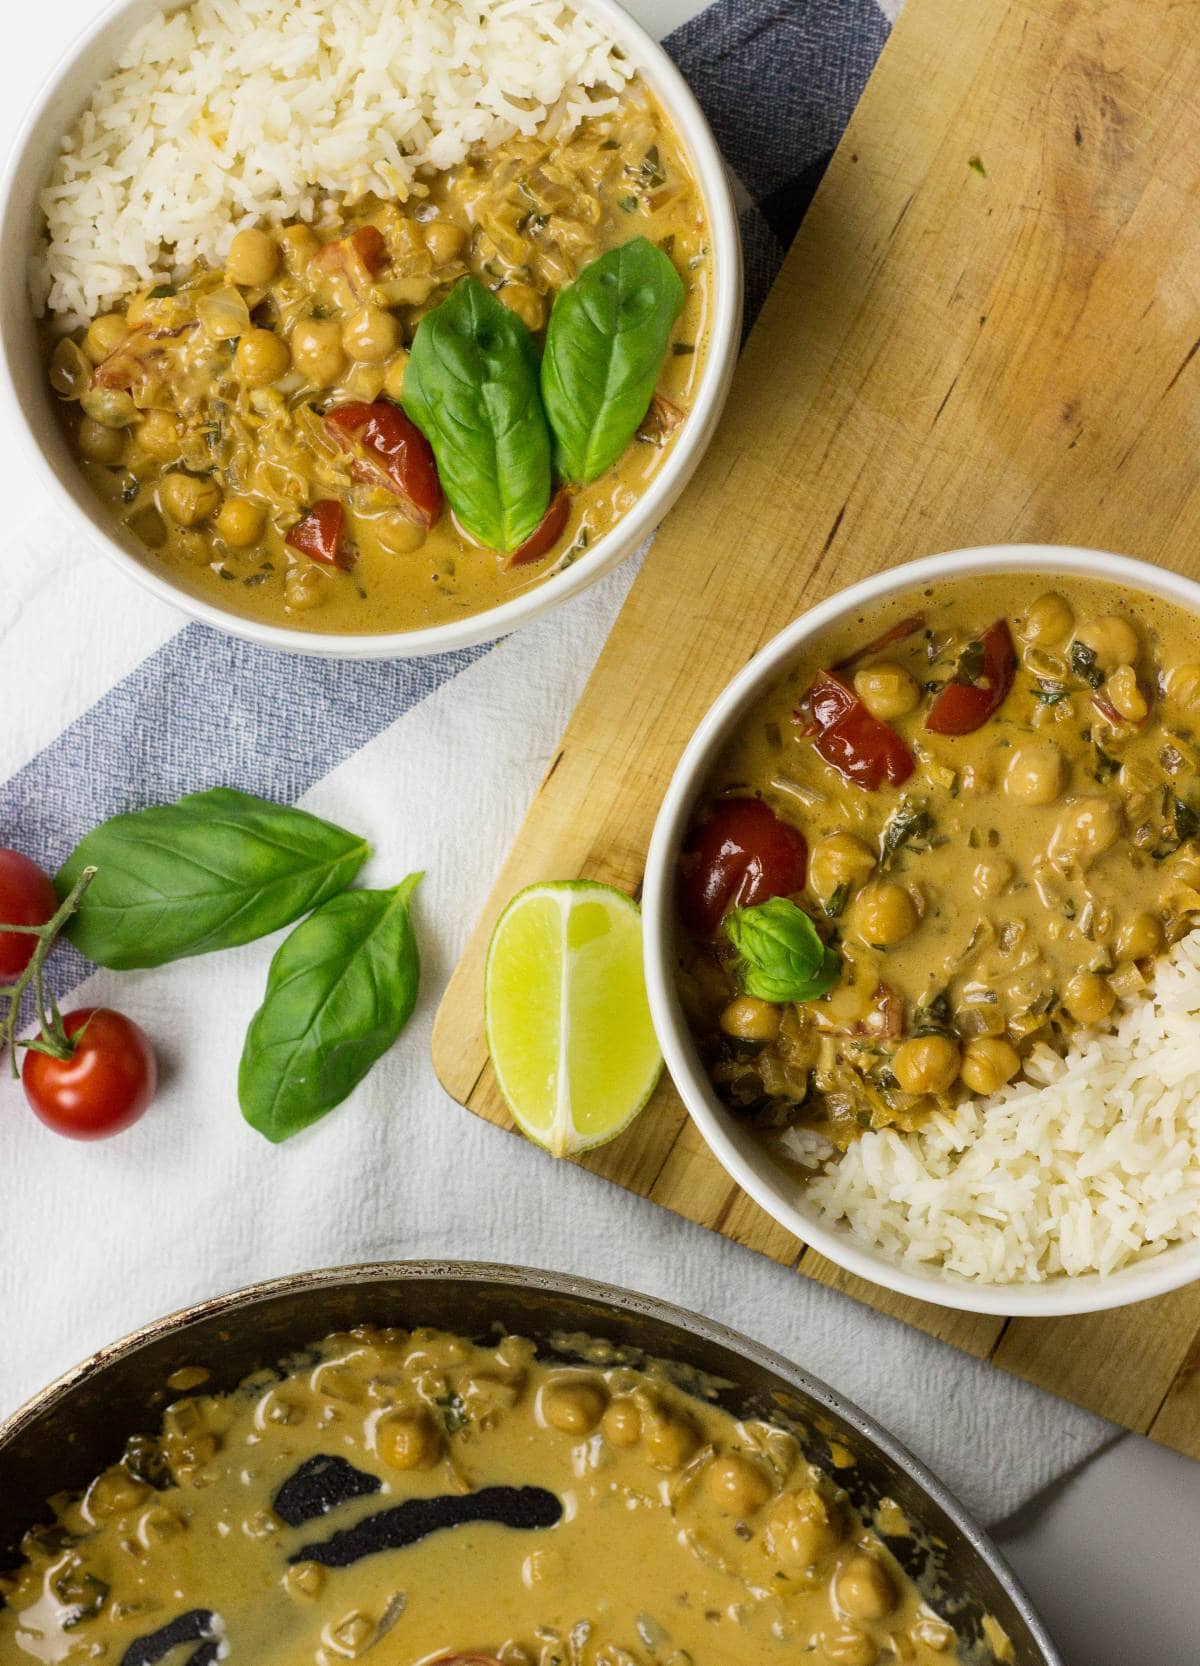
x=112, y=701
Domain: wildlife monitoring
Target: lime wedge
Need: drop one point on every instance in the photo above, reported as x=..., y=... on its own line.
x=568, y=1024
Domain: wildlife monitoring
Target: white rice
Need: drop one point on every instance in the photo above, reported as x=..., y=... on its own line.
x=1094, y=1166
x=230, y=112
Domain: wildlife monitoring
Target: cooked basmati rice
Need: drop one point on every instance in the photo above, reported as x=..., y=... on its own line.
x=1092, y=1166
x=231, y=112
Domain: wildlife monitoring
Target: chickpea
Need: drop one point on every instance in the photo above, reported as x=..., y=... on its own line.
x=261, y=358
x=399, y=535
x=192, y=545
x=1086, y=828
x=988, y=1062
x=574, y=1406
x=110, y=407
x=1140, y=936
x=113, y=1493
x=407, y=1440
x=926, y=1064
x=104, y=335
x=865, y=1589
x=297, y=244
x=240, y=522
x=188, y=500
x=1035, y=773
x=317, y=350
x=1182, y=683
x=839, y=859
x=253, y=258
x=1048, y=622
x=887, y=690
x=444, y=240
x=1089, y=997
x=524, y=300
x=158, y=434
x=851, y=1648
x=100, y=444
x=393, y=381
x=803, y=1527
x=992, y=875
x=883, y=913
x=1125, y=694
x=370, y=335
x=622, y=1423
x=670, y=1438
x=1112, y=639
x=749, y=1019
x=305, y=587
x=736, y=1485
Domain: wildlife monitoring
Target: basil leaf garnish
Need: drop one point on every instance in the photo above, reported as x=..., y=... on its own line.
x=471, y=387
x=216, y=869
x=779, y=954
x=340, y=989
x=605, y=345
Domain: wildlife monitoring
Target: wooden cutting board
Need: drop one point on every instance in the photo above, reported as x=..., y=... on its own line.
x=988, y=330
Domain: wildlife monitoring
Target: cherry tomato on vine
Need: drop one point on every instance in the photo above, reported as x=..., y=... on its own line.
x=26, y=899
x=105, y=1085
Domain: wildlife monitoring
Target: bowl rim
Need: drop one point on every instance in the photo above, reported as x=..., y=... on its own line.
x=683, y=110
x=1062, y=1295
x=546, y=1282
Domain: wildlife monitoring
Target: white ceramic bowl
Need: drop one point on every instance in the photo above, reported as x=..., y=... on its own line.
x=733, y=1145
x=26, y=400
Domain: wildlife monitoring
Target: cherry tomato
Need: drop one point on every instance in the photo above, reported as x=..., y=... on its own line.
x=104, y=1086
x=740, y=856
x=961, y=708
x=546, y=533
x=319, y=534
x=359, y=257
x=26, y=899
x=863, y=749
x=389, y=450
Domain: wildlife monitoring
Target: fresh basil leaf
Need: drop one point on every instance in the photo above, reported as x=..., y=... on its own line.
x=608, y=336
x=1187, y=820
x=340, y=989
x=216, y=869
x=1083, y=664
x=908, y=824
x=471, y=387
x=779, y=954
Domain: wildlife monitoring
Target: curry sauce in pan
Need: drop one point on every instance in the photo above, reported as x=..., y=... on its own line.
x=414, y=1497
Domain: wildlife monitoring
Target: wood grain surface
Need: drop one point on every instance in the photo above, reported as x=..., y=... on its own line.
x=988, y=330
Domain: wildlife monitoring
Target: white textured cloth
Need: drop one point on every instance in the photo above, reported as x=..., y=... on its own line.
x=112, y=701
x=96, y=1239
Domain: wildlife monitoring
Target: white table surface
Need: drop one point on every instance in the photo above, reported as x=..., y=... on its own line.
x=1109, y=1556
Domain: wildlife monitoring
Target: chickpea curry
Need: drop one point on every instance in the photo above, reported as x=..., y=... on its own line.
x=411, y=411
x=968, y=823
x=417, y=1497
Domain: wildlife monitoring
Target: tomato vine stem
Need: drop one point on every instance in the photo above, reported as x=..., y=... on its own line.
x=53, y=1037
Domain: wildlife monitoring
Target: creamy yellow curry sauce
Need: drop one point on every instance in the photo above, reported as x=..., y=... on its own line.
x=984, y=798
x=197, y=410
x=415, y=1497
